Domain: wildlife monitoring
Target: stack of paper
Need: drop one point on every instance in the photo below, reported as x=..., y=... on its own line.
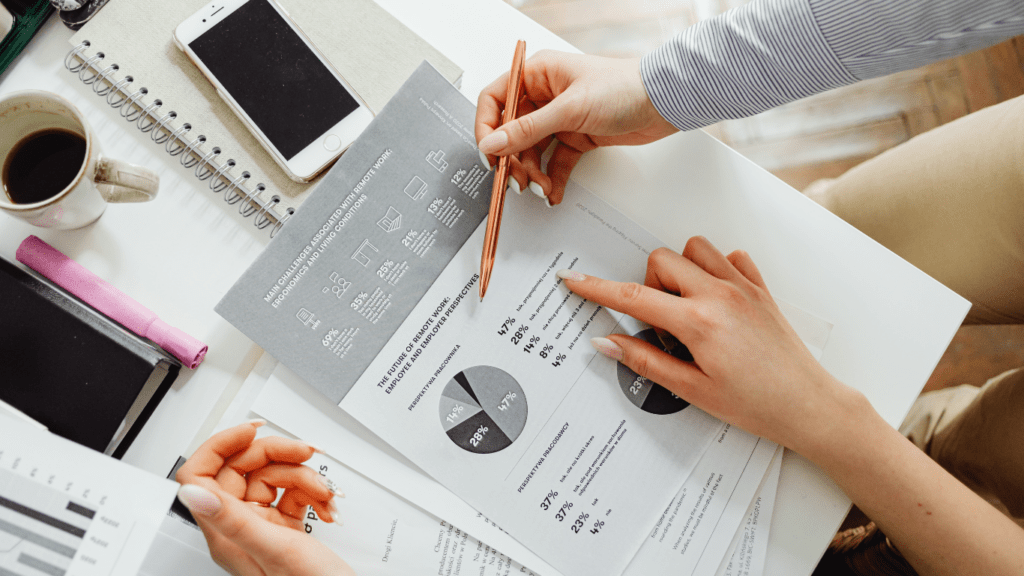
x=498, y=411
x=396, y=520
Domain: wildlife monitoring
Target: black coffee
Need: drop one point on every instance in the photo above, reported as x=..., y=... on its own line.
x=42, y=164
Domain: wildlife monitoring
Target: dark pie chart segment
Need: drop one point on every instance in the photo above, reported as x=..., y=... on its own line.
x=645, y=394
x=483, y=409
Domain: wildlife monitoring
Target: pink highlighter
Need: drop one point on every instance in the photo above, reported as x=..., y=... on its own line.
x=116, y=305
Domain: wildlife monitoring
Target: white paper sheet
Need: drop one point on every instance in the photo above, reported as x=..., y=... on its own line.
x=708, y=509
x=737, y=509
x=749, y=547
x=68, y=509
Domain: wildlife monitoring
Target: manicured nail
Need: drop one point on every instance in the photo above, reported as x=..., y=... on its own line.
x=199, y=500
x=566, y=274
x=548, y=202
x=316, y=448
x=514, y=185
x=608, y=348
x=493, y=142
x=331, y=486
x=485, y=162
x=536, y=189
x=257, y=422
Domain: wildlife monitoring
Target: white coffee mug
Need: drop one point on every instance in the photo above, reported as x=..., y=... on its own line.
x=99, y=179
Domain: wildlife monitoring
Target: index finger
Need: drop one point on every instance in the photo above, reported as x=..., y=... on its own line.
x=211, y=455
x=644, y=303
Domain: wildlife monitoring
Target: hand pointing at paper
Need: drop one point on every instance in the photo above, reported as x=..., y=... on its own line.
x=751, y=369
x=750, y=366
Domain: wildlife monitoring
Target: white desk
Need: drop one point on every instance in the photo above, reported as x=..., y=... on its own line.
x=180, y=253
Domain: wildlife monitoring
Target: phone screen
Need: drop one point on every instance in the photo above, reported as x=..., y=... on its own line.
x=276, y=79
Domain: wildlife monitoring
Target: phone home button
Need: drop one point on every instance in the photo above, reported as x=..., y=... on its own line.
x=332, y=142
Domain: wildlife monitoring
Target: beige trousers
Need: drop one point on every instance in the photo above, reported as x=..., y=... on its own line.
x=951, y=202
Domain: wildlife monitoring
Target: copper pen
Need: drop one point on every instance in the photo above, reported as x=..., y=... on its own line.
x=513, y=92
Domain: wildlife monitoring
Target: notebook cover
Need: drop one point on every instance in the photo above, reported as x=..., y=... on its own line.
x=72, y=369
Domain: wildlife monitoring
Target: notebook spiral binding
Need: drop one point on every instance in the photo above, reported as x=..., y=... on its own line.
x=177, y=142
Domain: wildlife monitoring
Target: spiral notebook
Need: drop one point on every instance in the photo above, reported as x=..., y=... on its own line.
x=126, y=53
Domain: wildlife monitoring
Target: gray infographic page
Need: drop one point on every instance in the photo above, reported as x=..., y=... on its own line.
x=333, y=286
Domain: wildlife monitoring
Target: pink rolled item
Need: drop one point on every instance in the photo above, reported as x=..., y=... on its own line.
x=117, y=305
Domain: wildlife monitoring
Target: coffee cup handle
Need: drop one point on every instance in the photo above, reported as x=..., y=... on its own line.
x=120, y=181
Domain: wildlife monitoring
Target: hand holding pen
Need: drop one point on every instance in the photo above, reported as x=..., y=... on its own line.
x=575, y=102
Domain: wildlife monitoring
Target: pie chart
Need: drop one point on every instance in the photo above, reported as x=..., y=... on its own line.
x=645, y=394
x=483, y=409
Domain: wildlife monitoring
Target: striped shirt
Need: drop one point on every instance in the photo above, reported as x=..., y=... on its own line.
x=770, y=52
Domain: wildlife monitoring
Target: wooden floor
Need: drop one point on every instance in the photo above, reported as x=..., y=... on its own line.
x=825, y=135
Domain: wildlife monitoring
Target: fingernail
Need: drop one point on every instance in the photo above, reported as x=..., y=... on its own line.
x=484, y=161
x=331, y=486
x=199, y=500
x=257, y=422
x=548, y=202
x=316, y=448
x=536, y=189
x=608, y=348
x=493, y=142
x=566, y=274
x=514, y=185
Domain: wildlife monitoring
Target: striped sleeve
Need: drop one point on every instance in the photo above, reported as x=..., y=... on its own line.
x=874, y=37
x=769, y=52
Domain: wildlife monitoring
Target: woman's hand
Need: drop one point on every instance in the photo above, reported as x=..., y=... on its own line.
x=583, y=101
x=229, y=485
x=750, y=368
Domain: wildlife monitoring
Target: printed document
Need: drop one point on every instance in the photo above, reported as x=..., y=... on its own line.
x=65, y=509
x=370, y=294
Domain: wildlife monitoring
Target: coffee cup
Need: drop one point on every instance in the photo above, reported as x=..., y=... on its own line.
x=53, y=174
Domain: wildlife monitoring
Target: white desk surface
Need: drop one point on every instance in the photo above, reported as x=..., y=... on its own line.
x=180, y=253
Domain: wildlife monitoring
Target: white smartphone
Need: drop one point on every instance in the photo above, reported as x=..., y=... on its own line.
x=291, y=98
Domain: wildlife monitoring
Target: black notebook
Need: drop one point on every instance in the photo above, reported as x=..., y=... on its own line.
x=72, y=369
